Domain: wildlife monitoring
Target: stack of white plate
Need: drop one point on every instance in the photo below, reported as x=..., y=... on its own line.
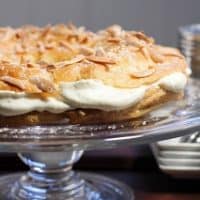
x=189, y=43
x=177, y=158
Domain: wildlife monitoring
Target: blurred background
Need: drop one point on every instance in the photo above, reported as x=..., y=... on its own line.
x=158, y=18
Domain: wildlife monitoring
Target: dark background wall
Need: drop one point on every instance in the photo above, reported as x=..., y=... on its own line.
x=159, y=18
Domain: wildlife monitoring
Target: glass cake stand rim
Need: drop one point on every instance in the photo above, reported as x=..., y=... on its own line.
x=141, y=135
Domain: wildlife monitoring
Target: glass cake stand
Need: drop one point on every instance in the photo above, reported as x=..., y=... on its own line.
x=50, y=151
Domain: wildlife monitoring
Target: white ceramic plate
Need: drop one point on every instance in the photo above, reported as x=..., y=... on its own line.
x=175, y=154
x=181, y=172
x=179, y=162
x=180, y=154
x=175, y=145
x=179, y=168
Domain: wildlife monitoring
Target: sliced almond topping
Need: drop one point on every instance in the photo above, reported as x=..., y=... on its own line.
x=142, y=36
x=13, y=81
x=115, y=30
x=114, y=40
x=156, y=56
x=76, y=59
x=19, y=49
x=134, y=41
x=40, y=46
x=169, y=51
x=3, y=61
x=66, y=45
x=174, y=54
x=100, y=52
x=82, y=38
x=19, y=35
x=141, y=74
x=43, y=84
x=49, y=46
x=134, y=49
x=86, y=51
x=8, y=33
x=30, y=65
x=42, y=64
x=145, y=52
x=50, y=67
x=71, y=26
x=101, y=60
x=46, y=30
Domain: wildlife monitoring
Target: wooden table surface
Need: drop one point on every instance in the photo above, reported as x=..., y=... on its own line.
x=134, y=166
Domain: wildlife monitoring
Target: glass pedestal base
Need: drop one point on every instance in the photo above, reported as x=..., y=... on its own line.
x=95, y=187
x=51, y=178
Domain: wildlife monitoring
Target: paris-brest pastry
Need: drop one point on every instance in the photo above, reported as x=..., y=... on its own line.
x=67, y=73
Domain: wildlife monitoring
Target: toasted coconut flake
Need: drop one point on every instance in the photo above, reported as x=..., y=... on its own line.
x=42, y=83
x=142, y=74
x=13, y=81
x=101, y=60
x=76, y=59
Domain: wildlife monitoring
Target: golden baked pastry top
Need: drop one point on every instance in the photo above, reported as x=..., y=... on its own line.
x=35, y=60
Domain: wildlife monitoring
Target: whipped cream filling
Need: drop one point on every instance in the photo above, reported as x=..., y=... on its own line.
x=94, y=94
x=175, y=82
x=12, y=103
x=88, y=93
